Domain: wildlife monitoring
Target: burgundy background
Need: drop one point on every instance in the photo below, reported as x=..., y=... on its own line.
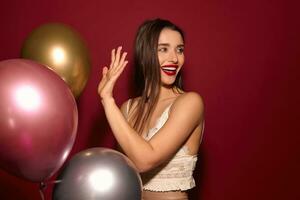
x=241, y=56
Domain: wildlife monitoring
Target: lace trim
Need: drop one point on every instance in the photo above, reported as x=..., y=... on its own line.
x=176, y=167
x=170, y=185
x=177, y=174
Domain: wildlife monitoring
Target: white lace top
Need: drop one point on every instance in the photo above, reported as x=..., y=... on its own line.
x=175, y=174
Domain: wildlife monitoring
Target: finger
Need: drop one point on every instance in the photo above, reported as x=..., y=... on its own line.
x=104, y=71
x=117, y=60
x=121, y=69
x=122, y=60
x=103, y=80
x=124, y=64
x=113, y=58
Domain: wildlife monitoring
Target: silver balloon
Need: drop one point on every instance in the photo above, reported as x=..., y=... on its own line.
x=98, y=173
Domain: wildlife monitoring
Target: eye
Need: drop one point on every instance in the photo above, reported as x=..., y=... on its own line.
x=180, y=50
x=162, y=49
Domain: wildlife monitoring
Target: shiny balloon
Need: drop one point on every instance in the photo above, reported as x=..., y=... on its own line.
x=98, y=173
x=38, y=119
x=60, y=48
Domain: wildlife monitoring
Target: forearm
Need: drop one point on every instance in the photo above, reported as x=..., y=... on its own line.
x=135, y=147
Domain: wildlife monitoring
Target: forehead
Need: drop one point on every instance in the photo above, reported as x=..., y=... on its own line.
x=170, y=36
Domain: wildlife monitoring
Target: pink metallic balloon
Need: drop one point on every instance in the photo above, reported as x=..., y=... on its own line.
x=38, y=119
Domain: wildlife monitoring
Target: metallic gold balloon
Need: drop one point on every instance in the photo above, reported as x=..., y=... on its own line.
x=61, y=49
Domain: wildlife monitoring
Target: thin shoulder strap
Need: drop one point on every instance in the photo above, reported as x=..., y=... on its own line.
x=127, y=107
x=169, y=107
x=202, y=131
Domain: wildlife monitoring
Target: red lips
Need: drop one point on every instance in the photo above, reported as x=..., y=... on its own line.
x=169, y=70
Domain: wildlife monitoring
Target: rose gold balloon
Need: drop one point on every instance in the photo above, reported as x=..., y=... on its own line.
x=38, y=119
x=60, y=48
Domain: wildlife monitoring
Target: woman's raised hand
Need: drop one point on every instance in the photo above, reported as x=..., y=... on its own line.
x=110, y=75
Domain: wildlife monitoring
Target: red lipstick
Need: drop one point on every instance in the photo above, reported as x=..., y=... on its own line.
x=169, y=70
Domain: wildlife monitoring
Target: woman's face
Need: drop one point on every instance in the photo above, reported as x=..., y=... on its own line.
x=170, y=55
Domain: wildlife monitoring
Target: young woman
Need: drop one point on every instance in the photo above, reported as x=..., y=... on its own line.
x=161, y=129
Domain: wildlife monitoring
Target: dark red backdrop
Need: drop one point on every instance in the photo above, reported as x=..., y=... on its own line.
x=241, y=56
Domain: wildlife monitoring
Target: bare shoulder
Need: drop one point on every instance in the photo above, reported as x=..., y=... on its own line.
x=190, y=105
x=124, y=104
x=189, y=99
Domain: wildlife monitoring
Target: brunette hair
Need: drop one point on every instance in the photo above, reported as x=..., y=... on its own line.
x=147, y=77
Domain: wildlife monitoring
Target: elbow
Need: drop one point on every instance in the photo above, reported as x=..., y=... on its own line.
x=142, y=169
x=145, y=162
x=144, y=166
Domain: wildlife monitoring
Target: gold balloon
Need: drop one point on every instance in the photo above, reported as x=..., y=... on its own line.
x=61, y=49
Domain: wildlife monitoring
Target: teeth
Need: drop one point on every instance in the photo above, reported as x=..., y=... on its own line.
x=169, y=68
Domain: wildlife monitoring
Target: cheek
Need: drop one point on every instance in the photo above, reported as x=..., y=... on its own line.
x=161, y=59
x=181, y=58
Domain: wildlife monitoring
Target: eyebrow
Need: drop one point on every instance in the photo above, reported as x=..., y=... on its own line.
x=167, y=44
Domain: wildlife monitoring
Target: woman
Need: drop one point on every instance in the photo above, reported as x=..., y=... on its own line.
x=161, y=129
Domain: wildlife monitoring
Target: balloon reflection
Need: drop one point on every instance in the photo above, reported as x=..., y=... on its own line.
x=11, y=123
x=101, y=180
x=88, y=153
x=65, y=155
x=58, y=55
x=27, y=98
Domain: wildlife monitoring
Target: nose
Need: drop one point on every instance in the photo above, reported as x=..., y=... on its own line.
x=173, y=57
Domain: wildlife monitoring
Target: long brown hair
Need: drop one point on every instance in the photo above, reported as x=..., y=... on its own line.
x=147, y=77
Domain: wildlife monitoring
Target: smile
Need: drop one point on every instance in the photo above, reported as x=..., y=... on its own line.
x=169, y=70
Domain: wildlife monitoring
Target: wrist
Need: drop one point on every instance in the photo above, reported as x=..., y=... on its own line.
x=107, y=100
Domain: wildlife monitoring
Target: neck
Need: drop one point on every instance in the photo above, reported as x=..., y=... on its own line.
x=166, y=93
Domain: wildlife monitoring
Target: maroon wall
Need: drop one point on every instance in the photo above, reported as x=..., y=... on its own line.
x=241, y=56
